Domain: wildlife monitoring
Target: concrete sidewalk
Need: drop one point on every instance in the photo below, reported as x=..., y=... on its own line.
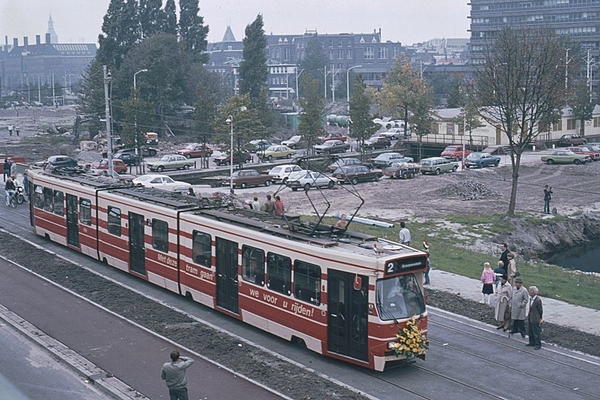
x=555, y=311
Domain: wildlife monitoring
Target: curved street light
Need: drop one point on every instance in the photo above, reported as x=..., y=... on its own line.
x=229, y=120
x=348, y=83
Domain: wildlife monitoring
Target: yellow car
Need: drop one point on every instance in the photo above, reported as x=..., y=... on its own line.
x=276, y=151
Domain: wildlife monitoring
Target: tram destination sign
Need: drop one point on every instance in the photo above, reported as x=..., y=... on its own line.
x=405, y=265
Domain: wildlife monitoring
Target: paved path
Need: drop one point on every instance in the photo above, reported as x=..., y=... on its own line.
x=555, y=311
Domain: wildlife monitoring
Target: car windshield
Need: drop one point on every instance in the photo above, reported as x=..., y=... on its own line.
x=451, y=148
x=168, y=179
x=425, y=162
x=144, y=178
x=165, y=158
x=473, y=156
x=399, y=297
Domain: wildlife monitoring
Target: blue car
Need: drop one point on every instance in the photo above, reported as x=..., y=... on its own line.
x=480, y=160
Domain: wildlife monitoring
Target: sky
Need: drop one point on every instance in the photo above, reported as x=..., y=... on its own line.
x=405, y=21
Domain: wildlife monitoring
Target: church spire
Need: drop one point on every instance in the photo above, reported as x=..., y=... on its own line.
x=53, y=35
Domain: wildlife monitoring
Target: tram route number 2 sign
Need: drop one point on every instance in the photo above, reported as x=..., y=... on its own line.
x=409, y=264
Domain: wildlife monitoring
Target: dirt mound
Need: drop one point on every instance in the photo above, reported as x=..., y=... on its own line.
x=467, y=190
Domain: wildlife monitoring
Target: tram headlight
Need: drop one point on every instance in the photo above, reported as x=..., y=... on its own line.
x=392, y=345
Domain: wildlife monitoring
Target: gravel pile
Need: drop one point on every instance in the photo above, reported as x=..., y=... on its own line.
x=467, y=190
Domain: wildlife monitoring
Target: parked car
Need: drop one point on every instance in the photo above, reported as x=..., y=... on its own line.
x=60, y=162
x=195, y=150
x=377, y=142
x=384, y=160
x=292, y=142
x=247, y=177
x=455, y=152
x=481, y=159
x=437, y=165
x=565, y=157
x=128, y=158
x=276, y=151
x=145, y=151
x=571, y=139
x=162, y=182
x=170, y=161
x=393, y=133
x=499, y=149
x=402, y=170
x=239, y=157
x=342, y=162
x=356, y=173
x=258, y=145
x=331, y=147
x=309, y=179
x=585, y=150
x=281, y=173
x=118, y=165
x=333, y=136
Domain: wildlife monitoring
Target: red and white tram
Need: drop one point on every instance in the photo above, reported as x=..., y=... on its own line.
x=287, y=277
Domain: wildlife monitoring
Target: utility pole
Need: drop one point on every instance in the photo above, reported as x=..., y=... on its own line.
x=567, y=61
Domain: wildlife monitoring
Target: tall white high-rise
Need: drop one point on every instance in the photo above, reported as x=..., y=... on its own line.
x=53, y=35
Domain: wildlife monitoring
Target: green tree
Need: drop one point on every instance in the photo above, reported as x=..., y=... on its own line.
x=192, y=30
x=362, y=126
x=90, y=101
x=247, y=124
x=120, y=33
x=517, y=88
x=315, y=61
x=169, y=23
x=311, y=119
x=151, y=17
x=253, y=68
x=208, y=91
x=582, y=104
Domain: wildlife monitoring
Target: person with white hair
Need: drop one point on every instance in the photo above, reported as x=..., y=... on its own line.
x=536, y=311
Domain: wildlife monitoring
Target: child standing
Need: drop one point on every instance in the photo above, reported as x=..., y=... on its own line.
x=488, y=277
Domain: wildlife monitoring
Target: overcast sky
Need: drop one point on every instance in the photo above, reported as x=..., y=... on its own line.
x=406, y=21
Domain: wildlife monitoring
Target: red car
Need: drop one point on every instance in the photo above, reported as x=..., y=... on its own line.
x=455, y=152
x=118, y=165
x=333, y=137
x=586, y=151
x=195, y=150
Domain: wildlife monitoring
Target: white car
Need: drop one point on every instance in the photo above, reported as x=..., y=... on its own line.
x=292, y=142
x=309, y=179
x=395, y=133
x=280, y=173
x=162, y=182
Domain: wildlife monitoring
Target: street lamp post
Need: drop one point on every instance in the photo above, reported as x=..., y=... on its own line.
x=298, y=76
x=348, y=83
x=107, y=79
x=135, y=113
x=229, y=120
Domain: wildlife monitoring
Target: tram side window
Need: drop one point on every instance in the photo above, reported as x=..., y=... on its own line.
x=307, y=282
x=48, y=199
x=59, y=203
x=85, y=211
x=114, y=220
x=38, y=196
x=160, y=235
x=253, y=265
x=279, y=272
x=201, y=250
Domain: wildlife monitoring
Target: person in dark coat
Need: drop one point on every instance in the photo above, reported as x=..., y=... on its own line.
x=504, y=254
x=7, y=165
x=536, y=312
x=520, y=298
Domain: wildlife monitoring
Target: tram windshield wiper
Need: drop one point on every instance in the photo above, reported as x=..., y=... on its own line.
x=388, y=312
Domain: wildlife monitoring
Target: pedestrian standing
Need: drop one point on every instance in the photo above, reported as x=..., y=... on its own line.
x=256, y=204
x=520, y=298
x=511, y=269
x=536, y=312
x=6, y=167
x=17, y=130
x=499, y=271
x=269, y=206
x=10, y=130
x=504, y=254
x=174, y=373
x=404, y=234
x=426, y=249
x=279, y=207
x=26, y=184
x=488, y=277
x=547, y=197
x=13, y=169
x=503, y=302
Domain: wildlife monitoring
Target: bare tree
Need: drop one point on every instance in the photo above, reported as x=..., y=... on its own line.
x=519, y=88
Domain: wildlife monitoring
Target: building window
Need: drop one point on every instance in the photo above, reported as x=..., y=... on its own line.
x=160, y=235
x=201, y=248
x=253, y=265
x=307, y=282
x=331, y=55
x=369, y=53
x=596, y=122
x=279, y=273
x=85, y=211
x=382, y=53
x=114, y=221
x=557, y=126
x=59, y=204
x=571, y=124
x=48, y=199
x=349, y=54
x=340, y=54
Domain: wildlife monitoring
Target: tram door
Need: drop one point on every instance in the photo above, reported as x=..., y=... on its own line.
x=227, y=275
x=348, y=304
x=72, y=221
x=137, y=256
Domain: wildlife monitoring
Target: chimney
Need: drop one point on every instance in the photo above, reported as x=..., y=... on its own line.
x=6, y=40
x=25, y=41
x=47, y=38
x=15, y=43
x=38, y=40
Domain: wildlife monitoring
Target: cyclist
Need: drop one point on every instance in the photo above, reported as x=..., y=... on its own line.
x=9, y=189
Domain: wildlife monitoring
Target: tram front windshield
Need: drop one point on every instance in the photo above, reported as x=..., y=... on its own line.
x=399, y=297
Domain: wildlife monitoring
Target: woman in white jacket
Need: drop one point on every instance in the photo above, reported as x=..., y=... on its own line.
x=503, y=300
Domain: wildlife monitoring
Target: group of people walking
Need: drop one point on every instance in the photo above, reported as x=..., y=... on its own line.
x=513, y=303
